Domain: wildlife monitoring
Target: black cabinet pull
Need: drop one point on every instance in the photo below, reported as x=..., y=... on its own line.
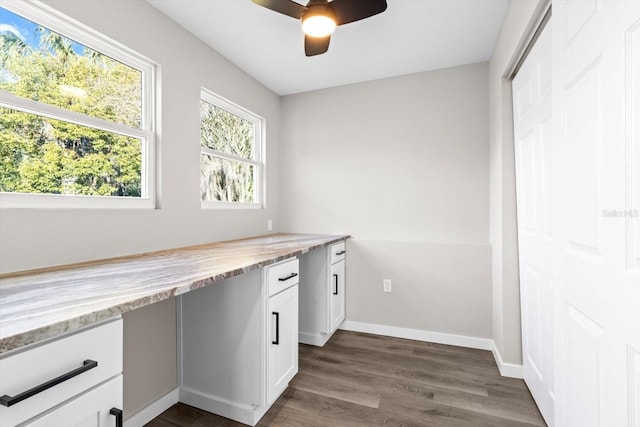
x=341, y=253
x=12, y=400
x=291, y=276
x=118, y=414
x=335, y=291
x=277, y=341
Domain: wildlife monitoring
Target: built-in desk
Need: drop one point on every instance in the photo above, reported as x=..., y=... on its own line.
x=38, y=306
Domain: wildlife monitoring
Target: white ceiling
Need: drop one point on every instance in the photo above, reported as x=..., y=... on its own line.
x=409, y=37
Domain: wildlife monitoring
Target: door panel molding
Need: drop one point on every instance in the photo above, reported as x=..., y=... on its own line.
x=583, y=130
x=634, y=387
x=632, y=175
x=577, y=15
x=583, y=349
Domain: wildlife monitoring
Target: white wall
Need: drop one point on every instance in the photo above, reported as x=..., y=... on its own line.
x=401, y=164
x=40, y=238
x=516, y=28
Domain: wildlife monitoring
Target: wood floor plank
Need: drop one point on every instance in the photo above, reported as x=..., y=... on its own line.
x=338, y=388
x=342, y=413
x=359, y=379
x=283, y=415
x=445, y=415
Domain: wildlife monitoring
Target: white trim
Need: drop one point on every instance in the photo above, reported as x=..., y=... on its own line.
x=234, y=410
x=510, y=370
x=230, y=205
x=506, y=369
x=418, y=335
x=152, y=411
x=229, y=106
x=71, y=201
x=232, y=157
x=36, y=108
x=319, y=340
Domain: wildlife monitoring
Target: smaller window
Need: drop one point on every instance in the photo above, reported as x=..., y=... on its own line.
x=231, y=166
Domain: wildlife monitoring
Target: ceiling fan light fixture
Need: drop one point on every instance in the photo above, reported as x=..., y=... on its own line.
x=318, y=24
x=320, y=17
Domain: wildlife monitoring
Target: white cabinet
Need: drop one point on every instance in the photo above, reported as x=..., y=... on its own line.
x=228, y=362
x=283, y=341
x=73, y=380
x=322, y=293
x=337, y=294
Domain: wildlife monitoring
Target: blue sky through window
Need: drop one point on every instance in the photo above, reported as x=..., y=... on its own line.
x=27, y=30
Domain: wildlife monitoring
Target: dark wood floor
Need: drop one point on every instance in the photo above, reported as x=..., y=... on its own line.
x=363, y=380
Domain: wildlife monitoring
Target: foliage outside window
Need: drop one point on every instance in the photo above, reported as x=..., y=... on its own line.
x=74, y=120
x=230, y=160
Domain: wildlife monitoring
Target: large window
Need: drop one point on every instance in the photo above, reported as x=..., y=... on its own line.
x=231, y=150
x=76, y=115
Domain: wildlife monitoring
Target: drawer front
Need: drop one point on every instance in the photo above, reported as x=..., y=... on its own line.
x=92, y=409
x=23, y=371
x=282, y=276
x=338, y=252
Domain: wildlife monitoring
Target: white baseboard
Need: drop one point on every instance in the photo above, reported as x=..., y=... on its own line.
x=153, y=410
x=318, y=340
x=510, y=370
x=242, y=413
x=419, y=335
x=506, y=369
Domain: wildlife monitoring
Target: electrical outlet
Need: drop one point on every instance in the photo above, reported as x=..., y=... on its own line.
x=269, y=225
x=386, y=285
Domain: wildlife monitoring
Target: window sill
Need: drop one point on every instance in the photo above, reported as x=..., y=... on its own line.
x=60, y=201
x=231, y=206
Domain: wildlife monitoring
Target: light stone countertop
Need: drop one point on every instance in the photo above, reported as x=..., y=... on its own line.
x=40, y=304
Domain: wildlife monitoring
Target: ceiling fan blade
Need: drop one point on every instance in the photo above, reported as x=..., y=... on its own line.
x=286, y=7
x=316, y=45
x=347, y=11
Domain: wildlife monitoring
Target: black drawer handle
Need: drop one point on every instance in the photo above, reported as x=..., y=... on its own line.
x=12, y=400
x=291, y=276
x=277, y=341
x=118, y=414
x=341, y=253
x=335, y=292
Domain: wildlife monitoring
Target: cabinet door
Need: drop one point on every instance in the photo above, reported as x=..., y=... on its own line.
x=282, y=324
x=91, y=409
x=337, y=289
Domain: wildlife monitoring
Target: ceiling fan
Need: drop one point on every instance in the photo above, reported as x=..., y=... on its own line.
x=320, y=17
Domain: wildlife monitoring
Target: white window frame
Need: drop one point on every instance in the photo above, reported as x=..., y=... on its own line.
x=258, y=149
x=55, y=21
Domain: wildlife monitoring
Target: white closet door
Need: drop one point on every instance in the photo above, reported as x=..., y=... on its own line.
x=533, y=145
x=596, y=129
